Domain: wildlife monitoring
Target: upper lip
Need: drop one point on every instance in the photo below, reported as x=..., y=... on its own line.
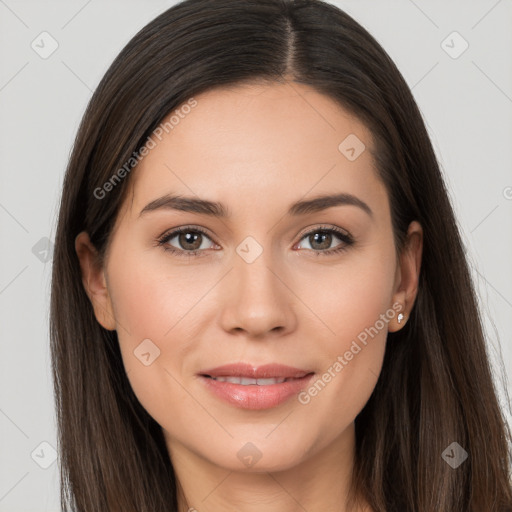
x=256, y=372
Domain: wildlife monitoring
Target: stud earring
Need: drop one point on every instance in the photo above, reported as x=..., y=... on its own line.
x=400, y=318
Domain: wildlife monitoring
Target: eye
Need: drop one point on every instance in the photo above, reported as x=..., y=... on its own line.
x=189, y=240
x=322, y=237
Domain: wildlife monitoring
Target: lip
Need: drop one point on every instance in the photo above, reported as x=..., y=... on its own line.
x=266, y=371
x=254, y=396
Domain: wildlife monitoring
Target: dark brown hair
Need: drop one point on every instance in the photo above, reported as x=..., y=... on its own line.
x=436, y=384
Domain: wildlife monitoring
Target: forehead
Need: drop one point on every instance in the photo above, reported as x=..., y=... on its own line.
x=252, y=144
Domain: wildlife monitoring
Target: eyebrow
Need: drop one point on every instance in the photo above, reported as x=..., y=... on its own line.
x=215, y=209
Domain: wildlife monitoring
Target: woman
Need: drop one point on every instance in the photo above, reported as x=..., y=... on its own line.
x=207, y=354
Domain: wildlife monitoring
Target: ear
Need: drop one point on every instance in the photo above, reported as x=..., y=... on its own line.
x=407, y=276
x=93, y=279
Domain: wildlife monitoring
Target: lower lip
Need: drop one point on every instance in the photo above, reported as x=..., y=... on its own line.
x=254, y=396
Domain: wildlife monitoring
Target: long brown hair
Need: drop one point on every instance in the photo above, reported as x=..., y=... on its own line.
x=436, y=386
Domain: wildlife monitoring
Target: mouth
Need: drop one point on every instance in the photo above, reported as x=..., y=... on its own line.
x=249, y=387
x=247, y=381
x=248, y=371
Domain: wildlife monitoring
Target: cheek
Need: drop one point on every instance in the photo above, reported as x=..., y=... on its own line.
x=350, y=298
x=152, y=299
x=354, y=305
x=156, y=305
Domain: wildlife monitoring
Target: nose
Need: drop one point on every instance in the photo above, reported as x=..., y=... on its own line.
x=256, y=298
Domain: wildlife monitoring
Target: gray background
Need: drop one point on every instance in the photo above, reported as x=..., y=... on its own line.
x=466, y=102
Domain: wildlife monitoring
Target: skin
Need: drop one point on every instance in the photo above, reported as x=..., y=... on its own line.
x=257, y=149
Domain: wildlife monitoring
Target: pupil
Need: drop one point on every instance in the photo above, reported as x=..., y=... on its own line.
x=189, y=238
x=316, y=236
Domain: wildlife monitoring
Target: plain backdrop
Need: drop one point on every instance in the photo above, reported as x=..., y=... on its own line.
x=465, y=98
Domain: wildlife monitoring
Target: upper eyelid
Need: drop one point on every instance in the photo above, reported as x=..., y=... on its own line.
x=322, y=227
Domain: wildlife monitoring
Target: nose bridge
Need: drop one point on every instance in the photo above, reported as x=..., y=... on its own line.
x=253, y=263
x=256, y=300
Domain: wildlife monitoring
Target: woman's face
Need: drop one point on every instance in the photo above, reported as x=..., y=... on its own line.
x=262, y=287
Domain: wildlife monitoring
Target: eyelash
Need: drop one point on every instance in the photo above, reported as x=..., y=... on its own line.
x=342, y=235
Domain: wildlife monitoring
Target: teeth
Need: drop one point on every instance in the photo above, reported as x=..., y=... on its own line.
x=246, y=381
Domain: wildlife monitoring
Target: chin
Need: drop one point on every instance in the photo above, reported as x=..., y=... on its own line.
x=256, y=454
